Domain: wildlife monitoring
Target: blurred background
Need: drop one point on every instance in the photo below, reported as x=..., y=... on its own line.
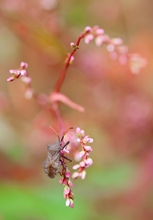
x=119, y=109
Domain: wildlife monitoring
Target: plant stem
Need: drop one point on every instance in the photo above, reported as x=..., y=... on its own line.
x=62, y=76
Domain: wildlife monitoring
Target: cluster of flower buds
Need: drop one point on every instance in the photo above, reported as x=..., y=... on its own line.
x=116, y=48
x=75, y=139
x=23, y=74
x=65, y=180
x=84, y=141
x=20, y=72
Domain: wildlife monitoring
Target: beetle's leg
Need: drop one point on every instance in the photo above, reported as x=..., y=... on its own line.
x=66, y=158
x=65, y=145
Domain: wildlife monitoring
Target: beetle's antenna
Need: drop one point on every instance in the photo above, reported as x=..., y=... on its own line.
x=67, y=130
x=65, y=133
x=53, y=130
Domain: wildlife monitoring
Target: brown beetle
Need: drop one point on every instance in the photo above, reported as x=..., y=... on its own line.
x=52, y=163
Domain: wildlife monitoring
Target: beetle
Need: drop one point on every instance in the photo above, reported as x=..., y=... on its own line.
x=53, y=161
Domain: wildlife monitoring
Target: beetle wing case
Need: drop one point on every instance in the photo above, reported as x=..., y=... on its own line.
x=52, y=163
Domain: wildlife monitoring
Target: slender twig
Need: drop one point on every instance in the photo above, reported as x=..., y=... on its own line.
x=61, y=78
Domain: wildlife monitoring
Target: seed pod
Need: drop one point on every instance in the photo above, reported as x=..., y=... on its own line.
x=52, y=163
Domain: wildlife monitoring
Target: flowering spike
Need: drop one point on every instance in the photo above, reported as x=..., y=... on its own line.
x=84, y=153
x=19, y=72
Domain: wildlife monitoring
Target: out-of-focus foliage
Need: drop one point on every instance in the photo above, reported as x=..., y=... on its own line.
x=119, y=109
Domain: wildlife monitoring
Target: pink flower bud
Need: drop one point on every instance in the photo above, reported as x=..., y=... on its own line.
x=88, y=148
x=88, y=162
x=88, y=38
x=83, y=174
x=75, y=175
x=88, y=29
x=23, y=65
x=75, y=167
x=67, y=174
x=12, y=71
x=24, y=73
x=90, y=140
x=69, y=202
x=66, y=150
x=106, y=39
x=87, y=139
x=66, y=190
x=116, y=41
x=78, y=140
x=10, y=79
x=70, y=183
x=110, y=47
x=78, y=130
x=71, y=59
x=61, y=181
x=82, y=164
x=99, y=40
x=65, y=181
x=136, y=63
x=82, y=133
x=82, y=153
x=99, y=31
x=73, y=45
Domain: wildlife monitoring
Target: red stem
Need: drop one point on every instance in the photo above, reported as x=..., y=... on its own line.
x=61, y=78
